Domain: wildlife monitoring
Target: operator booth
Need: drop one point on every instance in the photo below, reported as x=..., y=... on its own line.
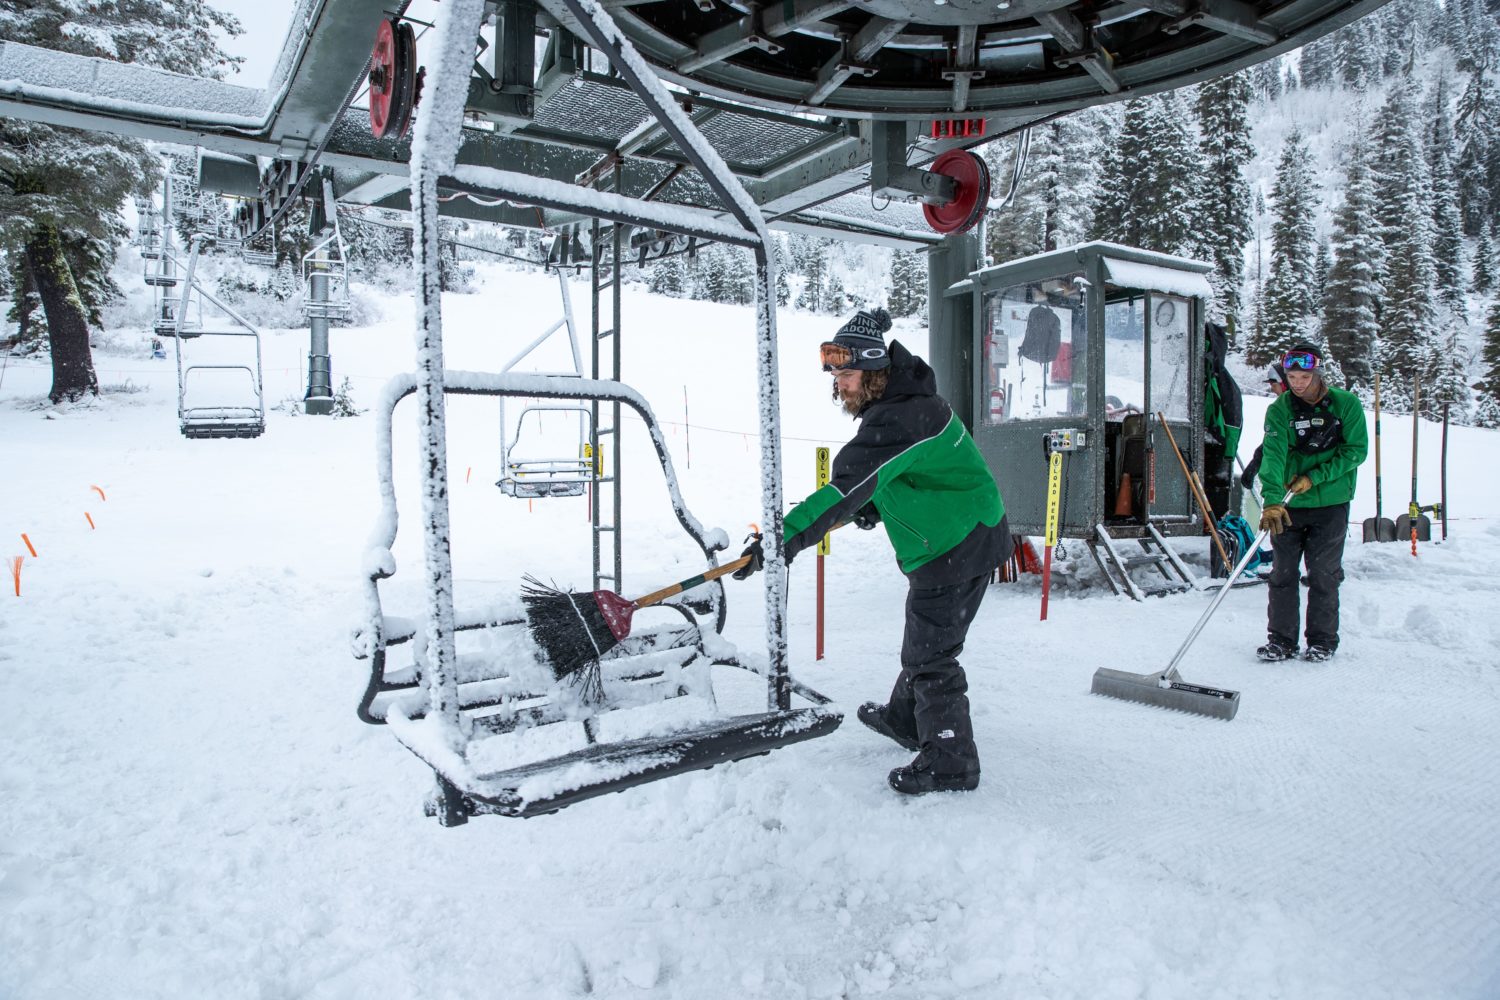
x=1078, y=351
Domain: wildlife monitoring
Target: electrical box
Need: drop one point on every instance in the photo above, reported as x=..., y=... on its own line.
x=1064, y=439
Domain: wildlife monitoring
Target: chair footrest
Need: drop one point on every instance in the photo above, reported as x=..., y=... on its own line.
x=549, y=785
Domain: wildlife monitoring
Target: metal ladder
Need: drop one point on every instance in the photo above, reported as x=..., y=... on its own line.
x=238, y=420
x=1154, y=553
x=604, y=277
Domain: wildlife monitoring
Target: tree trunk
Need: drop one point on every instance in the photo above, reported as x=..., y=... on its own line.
x=67, y=324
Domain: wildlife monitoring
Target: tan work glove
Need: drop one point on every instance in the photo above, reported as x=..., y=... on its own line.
x=1300, y=485
x=1275, y=519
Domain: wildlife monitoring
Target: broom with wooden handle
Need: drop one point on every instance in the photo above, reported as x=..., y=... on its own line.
x=574, y=630
x=1198, y=494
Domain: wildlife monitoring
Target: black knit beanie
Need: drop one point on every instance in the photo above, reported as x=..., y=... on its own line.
x=865, y=336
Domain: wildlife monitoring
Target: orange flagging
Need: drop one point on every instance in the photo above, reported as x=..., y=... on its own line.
x=91, y=520
x=100, y=492
x=29, y=547
x=15, y=572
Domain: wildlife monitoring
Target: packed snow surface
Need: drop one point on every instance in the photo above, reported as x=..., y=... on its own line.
x=192, y=808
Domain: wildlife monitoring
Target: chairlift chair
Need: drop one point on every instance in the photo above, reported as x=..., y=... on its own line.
x=510, y=704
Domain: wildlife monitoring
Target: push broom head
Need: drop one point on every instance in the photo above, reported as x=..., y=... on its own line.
x=573, y=631
x=1151, y=689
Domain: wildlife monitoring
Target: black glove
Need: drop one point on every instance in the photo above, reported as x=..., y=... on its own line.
x=757, y=559
x=867, y=517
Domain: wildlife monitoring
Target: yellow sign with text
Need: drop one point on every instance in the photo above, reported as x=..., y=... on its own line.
x=824, y=547
x=1054, y=494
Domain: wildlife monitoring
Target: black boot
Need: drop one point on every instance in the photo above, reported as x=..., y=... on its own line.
x=1275, y=652
x=874, y=716
x=936, y=772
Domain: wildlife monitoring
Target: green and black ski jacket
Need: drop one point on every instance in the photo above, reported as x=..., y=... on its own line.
x=914, y=461
x=1325, y=441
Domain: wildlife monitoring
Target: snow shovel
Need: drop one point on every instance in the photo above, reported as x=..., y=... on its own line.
x=1414, y=524
x=1166, y=688
x=1377, y=528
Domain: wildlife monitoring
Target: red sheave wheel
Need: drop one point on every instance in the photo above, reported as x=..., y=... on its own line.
x=393, y=78
x=972, y=180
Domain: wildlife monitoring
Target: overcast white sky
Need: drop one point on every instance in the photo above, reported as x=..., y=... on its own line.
x=265, y=24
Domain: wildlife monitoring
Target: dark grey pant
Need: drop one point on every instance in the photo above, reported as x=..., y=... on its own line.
x=1316, y=535
x=930, y=697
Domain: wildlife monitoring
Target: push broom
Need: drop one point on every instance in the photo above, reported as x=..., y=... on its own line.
x=1166, y=688
x=575, y=630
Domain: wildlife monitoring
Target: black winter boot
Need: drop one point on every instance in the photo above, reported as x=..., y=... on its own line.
x=1275, y=652
x=874, y=716
x=935, y=772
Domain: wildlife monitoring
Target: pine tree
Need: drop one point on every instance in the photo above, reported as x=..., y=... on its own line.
x=1395, y=141
x=1351, y=301
x=1223, y=119
x=908, y=283
x=1317, y=65
x=1265, y=78
x=1448, y=237
x=836, y=299
x=1410, y=316
x=667, y=277
x=1488, y=412
x=1451, y=382
x=1151, y=195
x=1289, y=290
x=814, y=267
x=1356, y=54
x=1477, y=134
x=58, y=186
x=1484, y=264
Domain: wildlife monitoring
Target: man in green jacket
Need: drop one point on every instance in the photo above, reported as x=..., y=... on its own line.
x=913, y=466
x=1314, y=444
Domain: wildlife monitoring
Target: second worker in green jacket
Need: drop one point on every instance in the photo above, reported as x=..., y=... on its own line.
x=1314, y=444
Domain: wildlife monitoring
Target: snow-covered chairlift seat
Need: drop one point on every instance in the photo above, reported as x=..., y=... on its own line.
x=504, y=699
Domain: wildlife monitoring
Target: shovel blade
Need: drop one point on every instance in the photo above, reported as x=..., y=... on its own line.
x=1385, y=530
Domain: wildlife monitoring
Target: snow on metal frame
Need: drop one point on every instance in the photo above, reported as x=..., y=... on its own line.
x=41, y=76
x=653, y=215
x=438, y=133
x=717, y=173
x=1154, y=277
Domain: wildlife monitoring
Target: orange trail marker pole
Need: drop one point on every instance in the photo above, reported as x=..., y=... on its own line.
x=469, y=473
x=91, y=520
x=29, y=547
x=100, y=492
x=15, y=572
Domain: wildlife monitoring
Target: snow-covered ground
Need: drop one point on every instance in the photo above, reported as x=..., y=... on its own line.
x=192, y=808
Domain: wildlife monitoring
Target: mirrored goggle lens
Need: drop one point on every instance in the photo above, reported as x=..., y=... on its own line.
x=835, y=356
x=1299, y=359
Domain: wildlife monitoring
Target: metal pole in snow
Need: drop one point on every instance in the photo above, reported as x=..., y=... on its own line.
x=821, y=473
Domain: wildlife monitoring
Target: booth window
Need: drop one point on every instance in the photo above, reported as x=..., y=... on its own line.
x=1035, y=351
x=1169, y=354
x=1124, y=356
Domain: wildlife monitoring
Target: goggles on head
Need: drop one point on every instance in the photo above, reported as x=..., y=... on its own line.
x=1301, y=360
x=836, y=357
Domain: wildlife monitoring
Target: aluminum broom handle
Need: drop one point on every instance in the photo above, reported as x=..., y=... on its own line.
x=1170, y=673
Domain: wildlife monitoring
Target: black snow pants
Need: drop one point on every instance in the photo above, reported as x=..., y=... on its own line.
x=930, y=696
x=1317, y=535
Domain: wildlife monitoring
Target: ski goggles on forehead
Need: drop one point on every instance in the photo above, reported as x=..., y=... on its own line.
x=839, y=356
x=1301, y=360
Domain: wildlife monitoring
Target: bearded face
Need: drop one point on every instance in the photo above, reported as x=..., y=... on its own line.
x=854, y=390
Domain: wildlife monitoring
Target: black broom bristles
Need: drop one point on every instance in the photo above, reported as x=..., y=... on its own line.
x=572, y=633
